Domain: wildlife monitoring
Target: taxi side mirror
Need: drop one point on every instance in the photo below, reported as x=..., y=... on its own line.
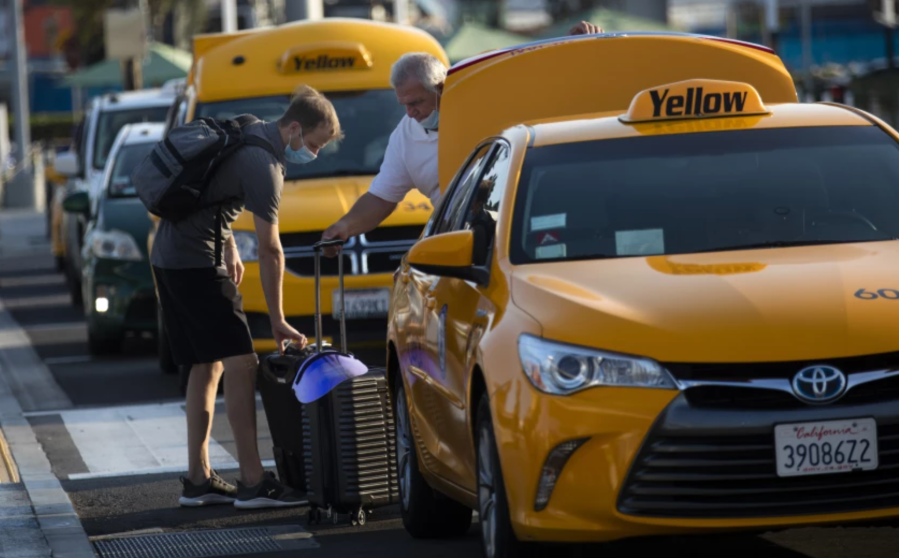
x=447, y=255
x=77, y=202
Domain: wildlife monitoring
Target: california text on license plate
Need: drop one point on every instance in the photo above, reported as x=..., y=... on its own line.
x=814, y=448
x=361, y=303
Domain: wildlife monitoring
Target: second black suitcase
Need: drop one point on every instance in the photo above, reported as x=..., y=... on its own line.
x=349, y=438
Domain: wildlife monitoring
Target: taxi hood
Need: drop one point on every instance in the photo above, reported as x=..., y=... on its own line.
x=586, y=75
x=315, y=204
x=740, y=306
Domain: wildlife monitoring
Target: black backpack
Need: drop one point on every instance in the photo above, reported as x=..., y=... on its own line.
x=172, y=179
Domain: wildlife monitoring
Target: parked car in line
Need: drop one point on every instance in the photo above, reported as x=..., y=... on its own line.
x=102, y=121
x=117, y=283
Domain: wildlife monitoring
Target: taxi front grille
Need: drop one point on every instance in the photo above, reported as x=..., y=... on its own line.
x=378, y=251
x=742, y=371
x=736, y=476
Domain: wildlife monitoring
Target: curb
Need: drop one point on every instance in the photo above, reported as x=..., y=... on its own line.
x=52, y=507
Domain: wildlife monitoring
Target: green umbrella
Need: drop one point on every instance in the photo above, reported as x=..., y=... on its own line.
x=472, y=39
x=162, y=64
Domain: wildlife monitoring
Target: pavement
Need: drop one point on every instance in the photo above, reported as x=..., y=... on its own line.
x=97, y=446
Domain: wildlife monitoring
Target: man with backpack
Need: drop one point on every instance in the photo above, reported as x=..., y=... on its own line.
x=197, y=270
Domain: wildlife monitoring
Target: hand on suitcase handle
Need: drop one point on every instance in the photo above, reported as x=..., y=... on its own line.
x=327, y=243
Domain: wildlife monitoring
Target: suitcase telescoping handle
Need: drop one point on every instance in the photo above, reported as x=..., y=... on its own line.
x=317, y=248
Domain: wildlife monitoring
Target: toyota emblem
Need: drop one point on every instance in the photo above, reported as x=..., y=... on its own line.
x=819, y=384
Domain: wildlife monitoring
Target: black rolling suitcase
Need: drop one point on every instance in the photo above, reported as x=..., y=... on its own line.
x=284, y=413
x=348, y=433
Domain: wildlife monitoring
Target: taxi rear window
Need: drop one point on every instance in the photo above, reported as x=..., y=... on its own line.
x=366, y=117
x=705, y=192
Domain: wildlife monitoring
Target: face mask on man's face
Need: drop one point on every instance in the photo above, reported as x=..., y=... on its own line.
x=432, y=120
x=299, y=156
x=430, y=123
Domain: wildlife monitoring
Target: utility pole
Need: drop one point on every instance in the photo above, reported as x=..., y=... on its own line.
x=772, y=22
x=229, y=16
x=21, y=191
x=297, y=10
x=887, y=17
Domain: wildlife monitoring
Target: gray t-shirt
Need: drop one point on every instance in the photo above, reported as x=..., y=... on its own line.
x=252, y=176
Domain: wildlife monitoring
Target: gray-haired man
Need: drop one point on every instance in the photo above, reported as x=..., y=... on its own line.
x=411, y=157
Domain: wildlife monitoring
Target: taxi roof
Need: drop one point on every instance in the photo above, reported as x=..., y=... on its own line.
x=142, y=132
x=125, y=100
x=260, y=63
x=598, y=126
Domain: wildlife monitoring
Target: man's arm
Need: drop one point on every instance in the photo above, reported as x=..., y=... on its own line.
x=368, y=212
x=271, y=270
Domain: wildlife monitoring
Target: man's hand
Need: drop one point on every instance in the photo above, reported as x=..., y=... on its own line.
x=233, y=264
x=337, y=230
x=284, y=333
x=585, y=28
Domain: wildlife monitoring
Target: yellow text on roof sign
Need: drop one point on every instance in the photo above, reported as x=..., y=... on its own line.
x=325, y=57
x=697, y=98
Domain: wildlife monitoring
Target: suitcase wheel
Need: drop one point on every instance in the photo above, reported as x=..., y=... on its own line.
x=359, y=517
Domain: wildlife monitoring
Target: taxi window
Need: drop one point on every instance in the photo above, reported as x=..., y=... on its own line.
x=110, y=122
x=482, y=210
x=705, y=192
x=459, y=193
x=366, y=117
x=129, y=156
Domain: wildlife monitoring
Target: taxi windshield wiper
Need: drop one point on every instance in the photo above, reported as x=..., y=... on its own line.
x=788, y=244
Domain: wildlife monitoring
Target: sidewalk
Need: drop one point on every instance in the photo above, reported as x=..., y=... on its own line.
x=36, y=516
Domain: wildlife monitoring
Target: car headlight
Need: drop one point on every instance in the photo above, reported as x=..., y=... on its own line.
x=247, y=246
x=564, y=369
x=115, y=245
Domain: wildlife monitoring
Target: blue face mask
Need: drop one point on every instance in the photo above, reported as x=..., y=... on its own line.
x=299, y=156
x=430, y=123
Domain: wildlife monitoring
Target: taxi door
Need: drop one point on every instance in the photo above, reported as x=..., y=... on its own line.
x=456, y=313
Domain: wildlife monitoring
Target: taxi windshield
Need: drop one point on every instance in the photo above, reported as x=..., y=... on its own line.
x=111, y=122
x=366, y=117
x=129, y=156
x=706, y=192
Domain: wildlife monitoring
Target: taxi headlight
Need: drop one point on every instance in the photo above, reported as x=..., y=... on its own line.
x=561, y=369
x=247, y=246
x=115, y=245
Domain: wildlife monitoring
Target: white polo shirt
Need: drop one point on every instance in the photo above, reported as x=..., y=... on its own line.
x=409, y=162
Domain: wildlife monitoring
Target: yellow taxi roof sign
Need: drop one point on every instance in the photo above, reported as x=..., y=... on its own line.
x=695, y=98
x=325, y=56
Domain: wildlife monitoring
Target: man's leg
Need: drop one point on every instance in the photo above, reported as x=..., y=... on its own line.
x=201, y=390
x=240, y=401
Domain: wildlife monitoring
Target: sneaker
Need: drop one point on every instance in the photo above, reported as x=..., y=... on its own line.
x=214, y=491
x=267, y=494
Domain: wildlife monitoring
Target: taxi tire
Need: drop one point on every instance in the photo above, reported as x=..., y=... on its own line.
x=430, y=515
x=506, y=543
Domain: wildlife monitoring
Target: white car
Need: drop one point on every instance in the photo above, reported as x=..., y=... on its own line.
x=103, y=119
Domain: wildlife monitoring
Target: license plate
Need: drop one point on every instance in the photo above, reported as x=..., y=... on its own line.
x=362, y=303
x=815, y=448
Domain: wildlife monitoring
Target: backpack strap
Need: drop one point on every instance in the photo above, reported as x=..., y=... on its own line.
x=260, y=142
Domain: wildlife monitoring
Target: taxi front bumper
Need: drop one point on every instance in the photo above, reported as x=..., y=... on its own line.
x=638, y=471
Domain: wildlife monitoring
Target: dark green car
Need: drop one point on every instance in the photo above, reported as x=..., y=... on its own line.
x=117, y=284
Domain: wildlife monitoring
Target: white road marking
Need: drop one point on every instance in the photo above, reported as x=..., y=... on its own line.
x=232, y=466
x=68, y=360
x=32, y=280
x=135, y=439
x=60, y=325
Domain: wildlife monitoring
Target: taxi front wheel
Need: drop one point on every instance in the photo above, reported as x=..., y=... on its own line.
x=425, y=513
x=497, y=537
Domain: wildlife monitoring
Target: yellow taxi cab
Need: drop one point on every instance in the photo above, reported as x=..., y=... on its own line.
x=349, y=60
x=659, y=301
